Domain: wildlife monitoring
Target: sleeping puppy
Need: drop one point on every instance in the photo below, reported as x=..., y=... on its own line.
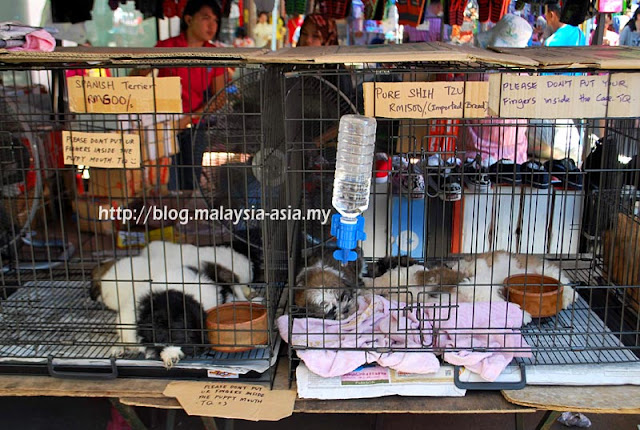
x=199, y=278
x=403, y=279
x=475, y=278
x=484, y=273
x=326, y=288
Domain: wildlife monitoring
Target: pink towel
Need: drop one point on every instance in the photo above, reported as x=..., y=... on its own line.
x=39, y=40
x=480, y=326
x=377, y=324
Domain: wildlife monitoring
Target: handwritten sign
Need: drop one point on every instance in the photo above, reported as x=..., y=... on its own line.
x=426, y=99
x=560, y=96
x=226, y=400
x=624, y=95
x=101, y=149
x=135, y=94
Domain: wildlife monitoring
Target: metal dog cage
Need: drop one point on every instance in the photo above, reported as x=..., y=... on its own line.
x=62, y=224
x=446, y=198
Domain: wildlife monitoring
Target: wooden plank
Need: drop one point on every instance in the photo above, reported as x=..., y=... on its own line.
x=47, y=386
x=623, y=399
x=152, y=402
x=604, y=57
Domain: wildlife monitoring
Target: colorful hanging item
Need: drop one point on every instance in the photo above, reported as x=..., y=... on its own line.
x=337, y=9
x=409, y=11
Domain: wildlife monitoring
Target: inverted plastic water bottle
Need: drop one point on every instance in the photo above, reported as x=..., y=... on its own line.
x=352, y=182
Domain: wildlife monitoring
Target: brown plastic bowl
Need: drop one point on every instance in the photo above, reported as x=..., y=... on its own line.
x=237, y=326
x=539, y=295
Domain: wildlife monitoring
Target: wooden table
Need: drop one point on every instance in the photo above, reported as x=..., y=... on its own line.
x=125, y=393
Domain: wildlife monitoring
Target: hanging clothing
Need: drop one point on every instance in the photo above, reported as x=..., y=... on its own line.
x=370, y=7
x=410, y=12
x=337, y=9
x=492, y=10
x=292, y=7
x=379, y=13
x=456, y=12
x=71, y=10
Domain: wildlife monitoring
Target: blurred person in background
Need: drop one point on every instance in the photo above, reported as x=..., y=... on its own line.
x=317, y=30
x=262, y=31
x=242, y=40
x=630, y=35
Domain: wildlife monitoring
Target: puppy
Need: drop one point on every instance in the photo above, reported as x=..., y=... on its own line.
x=137, y=289
x=403, y=279
x=476, y=278
x=483, y=275
x=171, y=318
x=326, y=288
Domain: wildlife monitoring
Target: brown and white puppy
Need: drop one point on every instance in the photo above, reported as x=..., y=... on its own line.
x=326, y=288
x=477, y=278
x=403, y=279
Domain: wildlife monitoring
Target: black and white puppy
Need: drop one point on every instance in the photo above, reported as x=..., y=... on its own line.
x=326, y=288
x=167, y=286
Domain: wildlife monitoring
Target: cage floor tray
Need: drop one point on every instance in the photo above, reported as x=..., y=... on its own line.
x=58, y=319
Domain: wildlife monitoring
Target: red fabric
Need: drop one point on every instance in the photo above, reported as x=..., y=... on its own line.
x=409, y=11
x=292, y=26
x=484, y=10
x=336, y=9
x=117, y=422
x=195, y=80
x=492, y=10
x=456, y=12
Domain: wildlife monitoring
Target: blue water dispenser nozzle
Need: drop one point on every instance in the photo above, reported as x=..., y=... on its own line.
x=348, y=231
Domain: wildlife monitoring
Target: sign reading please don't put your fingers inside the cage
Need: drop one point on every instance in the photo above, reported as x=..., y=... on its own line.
x=565, y=96
x=134, y=94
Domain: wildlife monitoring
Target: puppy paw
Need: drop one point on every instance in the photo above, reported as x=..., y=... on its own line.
x=526, y=318
x=258, y=299
x=117, y=351
x=171, y=355
x=568, y=297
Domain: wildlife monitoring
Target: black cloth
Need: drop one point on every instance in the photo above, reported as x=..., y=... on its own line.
x=150, y=8
x=71, y=10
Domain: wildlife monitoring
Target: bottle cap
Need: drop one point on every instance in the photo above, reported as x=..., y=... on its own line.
x=348, y=231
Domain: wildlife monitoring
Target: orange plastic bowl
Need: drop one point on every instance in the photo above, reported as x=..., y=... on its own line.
x=237, y=326
x=539, y=295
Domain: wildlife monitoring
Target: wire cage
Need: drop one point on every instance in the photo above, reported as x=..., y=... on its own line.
x=154, y=269
x=459, y=205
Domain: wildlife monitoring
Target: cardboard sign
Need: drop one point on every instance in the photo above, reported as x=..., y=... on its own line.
x=101, y=149
x=226, y=400
x=624, y=96
x=560, y=96
x=426, y=99
x=134, y=94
